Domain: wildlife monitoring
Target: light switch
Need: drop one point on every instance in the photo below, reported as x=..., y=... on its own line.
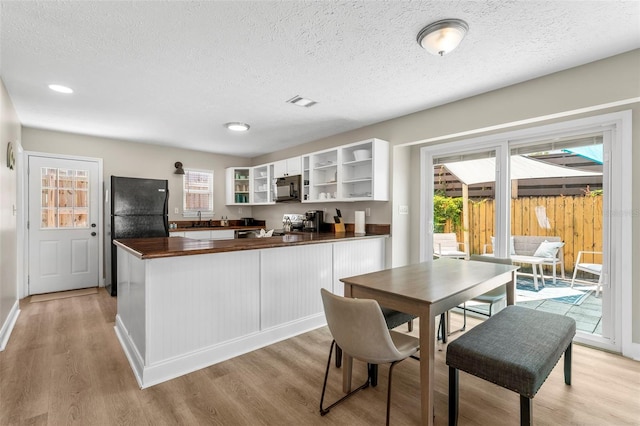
x=176, y=210
x=403, y=209
x=367, y=211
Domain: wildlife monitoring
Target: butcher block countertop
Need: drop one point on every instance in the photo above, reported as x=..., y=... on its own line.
x=153, y=248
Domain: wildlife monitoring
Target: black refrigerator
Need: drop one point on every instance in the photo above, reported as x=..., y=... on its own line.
x=139, y=209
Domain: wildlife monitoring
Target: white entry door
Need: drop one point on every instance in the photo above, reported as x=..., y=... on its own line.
x=63, y=224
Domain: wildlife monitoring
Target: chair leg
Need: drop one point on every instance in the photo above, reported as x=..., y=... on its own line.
x=324, y=411
x=373, y=374
x=453, y=396
x=567, y=364
x=338, y=356
x=410, y=326
x=442, y=329
x=526, y=412
x=389, y=390
x=573, y=280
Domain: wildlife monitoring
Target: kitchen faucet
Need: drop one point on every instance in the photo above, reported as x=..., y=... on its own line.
x=287, y=224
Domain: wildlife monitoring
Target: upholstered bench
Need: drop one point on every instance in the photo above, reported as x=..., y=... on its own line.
x=516, y=348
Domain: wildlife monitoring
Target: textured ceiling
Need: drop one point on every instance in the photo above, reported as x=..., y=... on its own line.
x=172, y=73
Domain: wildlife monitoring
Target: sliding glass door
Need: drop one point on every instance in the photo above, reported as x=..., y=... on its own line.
x=557, y=195
x=540, y=193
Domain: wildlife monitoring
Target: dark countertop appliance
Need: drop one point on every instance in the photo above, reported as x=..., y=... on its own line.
x=288, y=188
x=139, y=209
x=314, y=219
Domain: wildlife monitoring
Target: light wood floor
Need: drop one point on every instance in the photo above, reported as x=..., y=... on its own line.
x=64, y=365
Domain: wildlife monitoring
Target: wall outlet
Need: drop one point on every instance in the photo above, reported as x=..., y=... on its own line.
x=367, y=211
x=403, y=209
x=176, y=211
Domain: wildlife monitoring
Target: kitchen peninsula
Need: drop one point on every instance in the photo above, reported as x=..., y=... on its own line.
x=185, y=304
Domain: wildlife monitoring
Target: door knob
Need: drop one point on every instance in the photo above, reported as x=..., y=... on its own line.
x=93, y=234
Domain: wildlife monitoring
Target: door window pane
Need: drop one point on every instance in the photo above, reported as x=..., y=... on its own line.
x=65, y=197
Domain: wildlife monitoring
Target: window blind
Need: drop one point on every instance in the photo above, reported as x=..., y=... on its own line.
x=197, y=192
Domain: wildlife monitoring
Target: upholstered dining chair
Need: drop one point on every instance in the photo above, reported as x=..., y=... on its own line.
x=359, y=328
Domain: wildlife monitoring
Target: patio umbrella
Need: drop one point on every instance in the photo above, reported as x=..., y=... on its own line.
x=483, y=170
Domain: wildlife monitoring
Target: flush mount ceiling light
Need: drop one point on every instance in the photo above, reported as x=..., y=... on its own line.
x=60, y=89
x=300, y=101
x=237, y=126
x=441, y=37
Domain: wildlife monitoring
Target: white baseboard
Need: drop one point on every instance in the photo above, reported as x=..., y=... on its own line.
x=7, y=327
x=632, y=351
x=149, y=375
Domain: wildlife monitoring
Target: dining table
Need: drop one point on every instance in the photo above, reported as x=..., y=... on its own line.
x=427, y=290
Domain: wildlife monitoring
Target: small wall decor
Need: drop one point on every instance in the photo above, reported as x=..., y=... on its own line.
x=11, y=158
x=179, y=169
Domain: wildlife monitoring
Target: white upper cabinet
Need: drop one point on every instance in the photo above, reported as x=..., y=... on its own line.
x=364, y=171
x=262, y=185
x=354, y=172
x=289, y=167
x=238, y=180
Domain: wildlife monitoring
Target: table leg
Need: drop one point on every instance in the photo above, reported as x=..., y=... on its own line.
x=511, y=289
x=427, y=357
x=535, y=275
x=347, y=360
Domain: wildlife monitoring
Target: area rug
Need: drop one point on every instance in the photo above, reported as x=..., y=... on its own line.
x=63, y=294
x=561, y=291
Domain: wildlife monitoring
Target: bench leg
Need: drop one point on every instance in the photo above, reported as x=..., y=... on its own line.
x=567, y=364
x=535, y=276
x=453, y=396
x=526, y=412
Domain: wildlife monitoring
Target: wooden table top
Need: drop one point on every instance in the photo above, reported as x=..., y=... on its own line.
x=152, y=248
x=445, y=277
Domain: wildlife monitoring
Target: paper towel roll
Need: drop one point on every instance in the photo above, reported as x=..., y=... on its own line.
x=359, y=228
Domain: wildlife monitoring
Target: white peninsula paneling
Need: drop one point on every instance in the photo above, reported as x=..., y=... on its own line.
x=200, y=301
x=354, y=258
x=291, y=281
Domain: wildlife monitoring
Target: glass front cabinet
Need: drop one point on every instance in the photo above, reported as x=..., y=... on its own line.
x=262, y=185
x=238, y=181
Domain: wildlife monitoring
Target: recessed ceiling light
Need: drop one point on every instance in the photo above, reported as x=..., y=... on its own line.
x=60, y=89
x=300, y=101
x=236, y=126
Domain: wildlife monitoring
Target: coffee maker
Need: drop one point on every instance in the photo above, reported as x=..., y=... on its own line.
x=313, y=221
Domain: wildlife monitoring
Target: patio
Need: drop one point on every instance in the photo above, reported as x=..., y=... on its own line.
x=587, y=314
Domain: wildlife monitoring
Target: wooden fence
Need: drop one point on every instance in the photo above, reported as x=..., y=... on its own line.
x=577, y=220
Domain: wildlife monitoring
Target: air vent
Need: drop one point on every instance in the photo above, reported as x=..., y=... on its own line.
x=300, y=101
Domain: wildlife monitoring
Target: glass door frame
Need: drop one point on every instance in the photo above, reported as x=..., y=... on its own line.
x=617, y=278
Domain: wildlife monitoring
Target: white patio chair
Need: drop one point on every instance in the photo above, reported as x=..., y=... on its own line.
x=447, y=245
x=591, y=268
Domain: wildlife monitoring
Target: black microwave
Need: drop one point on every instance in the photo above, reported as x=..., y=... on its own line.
x=288, y=188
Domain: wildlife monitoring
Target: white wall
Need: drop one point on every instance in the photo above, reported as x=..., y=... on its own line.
x=9, y=131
